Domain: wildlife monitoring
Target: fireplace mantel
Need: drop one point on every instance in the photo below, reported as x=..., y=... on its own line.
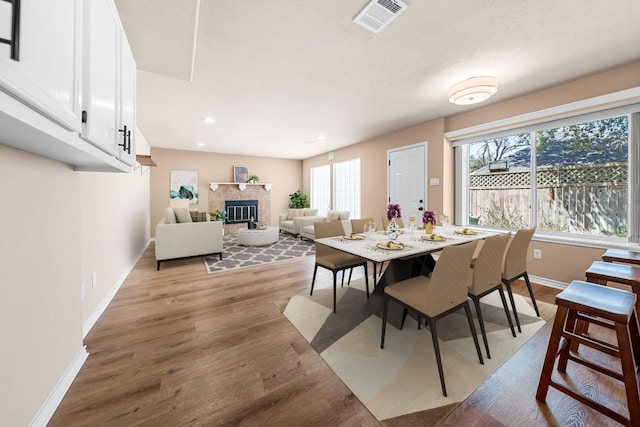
x=241, y=185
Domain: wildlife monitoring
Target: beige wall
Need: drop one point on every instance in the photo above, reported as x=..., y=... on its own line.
x=57, y=226
x=373, y=165
x=285, y=175
x=573, y=259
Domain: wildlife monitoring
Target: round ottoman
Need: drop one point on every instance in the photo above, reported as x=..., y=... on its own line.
x=257, y=237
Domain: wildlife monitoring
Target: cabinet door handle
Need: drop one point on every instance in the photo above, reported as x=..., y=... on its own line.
x=14, y=42
x=126, y=139
x=128, y=142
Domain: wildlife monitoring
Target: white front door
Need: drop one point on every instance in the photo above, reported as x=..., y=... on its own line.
x=406, y=180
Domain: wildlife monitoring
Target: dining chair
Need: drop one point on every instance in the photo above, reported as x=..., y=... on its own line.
x=334, y=259
x=437, y=296
x=515, y=267
x=359, y=225
x=487, y=278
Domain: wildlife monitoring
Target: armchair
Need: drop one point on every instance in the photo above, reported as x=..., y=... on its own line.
x=292, y=221
x=187, y=239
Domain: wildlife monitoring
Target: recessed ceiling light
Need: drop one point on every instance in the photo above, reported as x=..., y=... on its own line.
x=209, y=120
x=201, y=144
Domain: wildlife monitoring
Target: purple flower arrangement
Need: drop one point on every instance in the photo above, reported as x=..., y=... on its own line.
x=393, y=211
x=429, y=216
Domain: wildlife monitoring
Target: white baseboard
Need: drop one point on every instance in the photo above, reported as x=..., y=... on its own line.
x=548, y=282
x=47, y=410
x=95, y=315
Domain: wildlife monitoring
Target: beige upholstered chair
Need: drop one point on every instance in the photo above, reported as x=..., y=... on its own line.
x=358, y=225
x=487, y=271
x=437, y=296
x=515, y=267
x=333, y=259
x=385, y=222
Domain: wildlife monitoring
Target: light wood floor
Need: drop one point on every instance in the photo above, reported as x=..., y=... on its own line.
x=181, y=347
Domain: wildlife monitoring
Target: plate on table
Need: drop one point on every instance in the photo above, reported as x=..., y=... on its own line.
x=390, y=246
x=466, y=231
x=354, y=236
x=434, y=238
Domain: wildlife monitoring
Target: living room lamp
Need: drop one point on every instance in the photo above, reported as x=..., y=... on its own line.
x=473, y=90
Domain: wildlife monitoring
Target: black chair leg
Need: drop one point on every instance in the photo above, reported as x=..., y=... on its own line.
x=533, y=299
x=313, y=281
x=384, y=321
x=476, y=303
x=507, y=284
x=436, y=349
x=405, y=310
x=467, y=309
x=334, y=289
x=506, y=311
x=366, y=278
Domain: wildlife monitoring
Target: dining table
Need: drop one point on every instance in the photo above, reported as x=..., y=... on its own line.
x=409, y=255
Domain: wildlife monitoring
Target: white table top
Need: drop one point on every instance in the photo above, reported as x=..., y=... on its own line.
x=413, y=242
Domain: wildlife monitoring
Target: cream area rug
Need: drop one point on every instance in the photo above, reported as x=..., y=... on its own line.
x=236, y=256
x=403, y=377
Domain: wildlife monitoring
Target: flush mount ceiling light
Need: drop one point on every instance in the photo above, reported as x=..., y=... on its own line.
x=473, y=90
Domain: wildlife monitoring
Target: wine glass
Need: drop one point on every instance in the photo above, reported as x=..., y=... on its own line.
x=444, y=220
x=371, y=229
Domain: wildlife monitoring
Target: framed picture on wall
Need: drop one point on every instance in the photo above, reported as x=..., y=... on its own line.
x=240, y=174
x=184, y=185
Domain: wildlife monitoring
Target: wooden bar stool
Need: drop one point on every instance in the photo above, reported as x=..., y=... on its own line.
x=621, y=255
x=608, y=307
x=602, y=272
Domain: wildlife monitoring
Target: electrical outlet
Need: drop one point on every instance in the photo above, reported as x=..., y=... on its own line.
x=94, y=280
x=537, y=253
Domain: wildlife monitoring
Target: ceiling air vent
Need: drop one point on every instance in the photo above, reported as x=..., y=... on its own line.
x=379, y=13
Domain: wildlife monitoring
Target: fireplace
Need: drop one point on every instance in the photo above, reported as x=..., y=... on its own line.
x=241, y=211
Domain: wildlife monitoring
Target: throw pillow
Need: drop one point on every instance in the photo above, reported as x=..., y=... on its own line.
x=170, y=216
x=294, y=213
x=198, y=216
x=182, y=215
x=333, y=216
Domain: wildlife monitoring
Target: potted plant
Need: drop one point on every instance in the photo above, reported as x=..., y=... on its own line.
x=298, y=200
x=253, y=179
x=218, y=215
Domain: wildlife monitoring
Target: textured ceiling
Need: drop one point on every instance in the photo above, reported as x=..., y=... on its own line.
x=276, y=75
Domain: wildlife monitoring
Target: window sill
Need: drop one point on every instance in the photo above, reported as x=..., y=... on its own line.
x=585, y=241
x=576, y=240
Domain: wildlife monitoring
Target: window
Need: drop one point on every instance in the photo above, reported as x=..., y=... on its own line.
x=345, y=183
x=346, y=187
x=570, y=176
x=321, y=189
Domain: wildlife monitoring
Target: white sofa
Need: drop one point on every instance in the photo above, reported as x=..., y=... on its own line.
x=291, y=222
x=186, y=239
x=307, y=231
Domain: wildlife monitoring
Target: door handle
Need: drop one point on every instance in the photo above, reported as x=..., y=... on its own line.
x=420, y=208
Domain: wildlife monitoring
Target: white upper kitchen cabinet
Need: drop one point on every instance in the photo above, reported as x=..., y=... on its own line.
x=109, y=82
x=127, y=102
x=46, y=75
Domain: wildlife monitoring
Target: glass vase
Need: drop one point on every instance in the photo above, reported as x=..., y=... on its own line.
x=393, y=231
x=428, y=227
